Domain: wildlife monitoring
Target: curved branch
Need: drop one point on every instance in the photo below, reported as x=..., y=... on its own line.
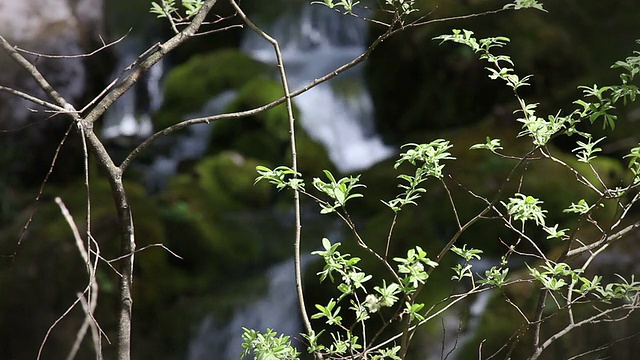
x=241, y=114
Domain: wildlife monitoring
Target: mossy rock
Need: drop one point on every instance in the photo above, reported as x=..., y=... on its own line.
x=222, y=183
x=219, y=207
x=233, y=175
x=189, y=86
x=263, y=136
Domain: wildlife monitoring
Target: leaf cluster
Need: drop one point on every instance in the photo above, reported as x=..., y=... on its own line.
x=168, y=8
x=409, y=274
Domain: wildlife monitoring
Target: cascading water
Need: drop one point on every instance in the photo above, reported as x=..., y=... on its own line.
x=315, y=41
x=339, y=113
x=128, y=118
x=189, y=145
x=277, y=309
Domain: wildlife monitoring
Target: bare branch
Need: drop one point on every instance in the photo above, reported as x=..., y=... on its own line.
x=601, y=316
x=32, y=98
x=294, y=160
x=92, y=287
x=142, y=249
x=145, y=65
x=609, y=239
x=102, y=48
x=36, y=75
x=40, y=191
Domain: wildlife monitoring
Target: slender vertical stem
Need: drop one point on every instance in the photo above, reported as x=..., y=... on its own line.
x=128, y=246
x=294, y=160
x=127, y=239
x=538, y=319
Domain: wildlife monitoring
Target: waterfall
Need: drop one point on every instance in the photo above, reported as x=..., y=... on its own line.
x=338, y=113
x=128, y=119
x=276, y=309
x=191, y=144
x=315, y=41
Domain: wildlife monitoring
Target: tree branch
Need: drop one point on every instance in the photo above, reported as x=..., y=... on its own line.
x=163, y=49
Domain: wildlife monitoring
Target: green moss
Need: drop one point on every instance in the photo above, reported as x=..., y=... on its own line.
x=220, y=214
x=219, y=183
x=262, y=136
x=228, y=181
x=190, y=85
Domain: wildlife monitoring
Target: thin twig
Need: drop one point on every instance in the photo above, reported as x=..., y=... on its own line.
x=103, y=47
x=41, y=191
x=92, y=286
x=294, y=160
x=32, y=98
x=122, y=257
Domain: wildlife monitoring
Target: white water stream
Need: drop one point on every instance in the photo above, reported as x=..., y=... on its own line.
x=277, y=309
x=338, y=113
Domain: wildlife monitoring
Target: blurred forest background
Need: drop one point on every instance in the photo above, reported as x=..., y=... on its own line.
x=194, y=191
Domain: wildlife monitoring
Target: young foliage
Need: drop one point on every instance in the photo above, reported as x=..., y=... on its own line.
x=331, y=312
x=625, y=290
x=408, y=275
x=267, y=346
x=404, y=7
x=467, y=254
x=335, y=261
x=602, y=107
x=582, y=207
x=168, y=8
x=496, y=276
x=427, y=160
x=525, y=4
x=586, y=151
x=554, y=233
x=413, y=268
x=634, y=163
x=346, y=5
x=524, y=207
x=282, y=177
x=386, y=297
x=492, y=145
x=340, y=191
x=165, y=10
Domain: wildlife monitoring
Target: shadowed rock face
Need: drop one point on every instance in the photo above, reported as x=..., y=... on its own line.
x=50, y=27
x=53, y=27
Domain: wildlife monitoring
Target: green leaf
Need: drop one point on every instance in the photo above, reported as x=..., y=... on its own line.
x=524, y=207
x=525, y=4
x=492, y=145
